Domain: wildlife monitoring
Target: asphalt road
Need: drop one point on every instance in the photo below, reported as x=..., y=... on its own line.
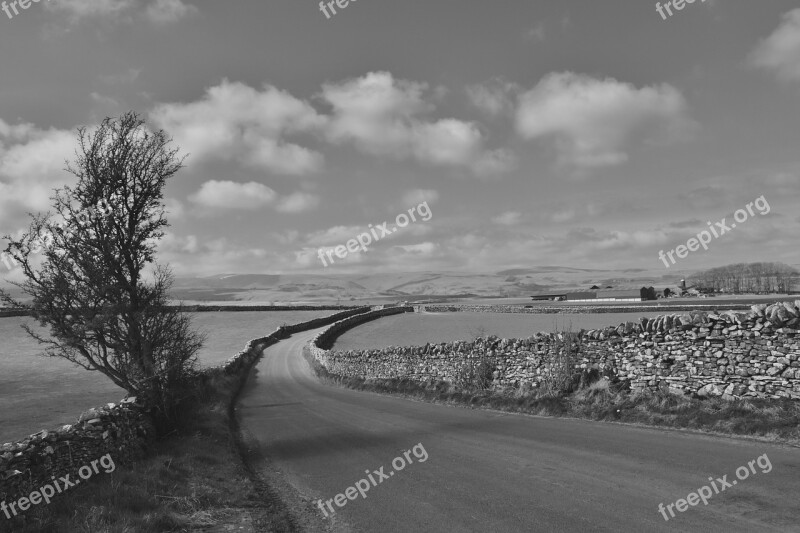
x=492, y=471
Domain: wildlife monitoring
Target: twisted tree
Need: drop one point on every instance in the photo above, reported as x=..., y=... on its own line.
x=90, y=272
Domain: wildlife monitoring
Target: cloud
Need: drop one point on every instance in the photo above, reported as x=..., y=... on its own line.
x=418, y=196
x=780, y=52
x=706, y=197
x=83, y=9
x=232, y=195
x=32, y=164
x=421, y=250
x=168, y=11
x=594, y=120
x=107, y=103
x=334, y=236
x=445, y=142
x=563, y=215
x=126, y=77
x=236, y=122
x=385, y=117
x=783, y=183
x=175, y=244
x=622, y=240
x=495, y=162
x=378, y=114
x=192, y=256
x=157, y=11
x=509, y=218
x=493, y=97
x=298, y=202
x=174, y=209
x=536, y=33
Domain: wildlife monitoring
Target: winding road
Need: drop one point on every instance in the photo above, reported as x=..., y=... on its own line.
x=493, y=471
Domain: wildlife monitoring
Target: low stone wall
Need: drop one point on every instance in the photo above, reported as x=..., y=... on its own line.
x=265, y=308
x=753, y=354
x=321, y=344
x=573, y=309
x=123, y=431
x=252, y=350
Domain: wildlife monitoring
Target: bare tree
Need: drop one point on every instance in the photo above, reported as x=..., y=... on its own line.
x=88, y=284
x=749, y=277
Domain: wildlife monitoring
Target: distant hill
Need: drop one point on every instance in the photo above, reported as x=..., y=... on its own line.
x=518, y=282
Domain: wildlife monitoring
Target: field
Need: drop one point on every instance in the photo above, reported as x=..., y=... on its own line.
x=418, y=329
x=37, y=392
x=229, y=332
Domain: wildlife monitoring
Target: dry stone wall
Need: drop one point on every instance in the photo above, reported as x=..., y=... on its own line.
x=574, y=308
x=123, y=431
x=748, y=354
x=320, y=345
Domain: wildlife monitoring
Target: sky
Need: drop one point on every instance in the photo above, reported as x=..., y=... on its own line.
x=578, y=133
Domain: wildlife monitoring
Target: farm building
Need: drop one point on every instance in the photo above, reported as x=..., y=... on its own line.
x=545, y=296
x=626, y=295
x=581, y=296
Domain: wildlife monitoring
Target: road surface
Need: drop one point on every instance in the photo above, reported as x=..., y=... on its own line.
x=492, y=471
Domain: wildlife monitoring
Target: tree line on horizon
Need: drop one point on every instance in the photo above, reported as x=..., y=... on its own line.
x=760, y=278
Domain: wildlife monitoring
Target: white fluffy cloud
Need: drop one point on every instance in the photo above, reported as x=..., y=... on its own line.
x=83, y=9
x=417, y=196
x=376, y=113
x=593, y=120
x=157, y=11
x=232, y=195
x=509, y=218
x=298, y=202
x=31, y=166
x=223, y=194
x=174, y=209
x=780, y=52
x=493, y=97
x=168, y=11
x=334, y=236
x=384, y=116
x=236, y=122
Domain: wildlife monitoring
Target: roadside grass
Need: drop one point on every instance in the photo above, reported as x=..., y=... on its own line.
x=774, y=420
x=191, y=480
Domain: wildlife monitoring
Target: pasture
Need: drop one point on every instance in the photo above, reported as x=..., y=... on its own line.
x=414, y=329
x=43, y=393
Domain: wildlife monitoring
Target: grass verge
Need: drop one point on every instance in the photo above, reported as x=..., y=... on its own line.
x=772, y=420
x=191, y=480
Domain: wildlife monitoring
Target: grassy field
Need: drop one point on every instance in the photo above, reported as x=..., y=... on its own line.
x=40, y=393
x=229, y=332
x=417, y=329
